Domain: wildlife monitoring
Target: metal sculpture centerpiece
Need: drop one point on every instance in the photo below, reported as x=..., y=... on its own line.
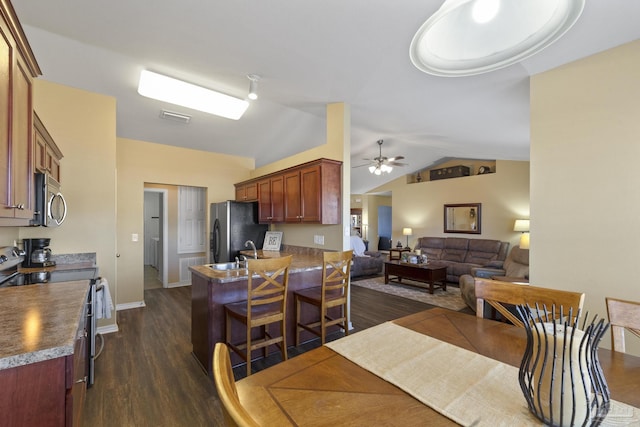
x=560, y=374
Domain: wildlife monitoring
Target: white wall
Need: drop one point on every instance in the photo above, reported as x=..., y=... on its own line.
x=585, y=199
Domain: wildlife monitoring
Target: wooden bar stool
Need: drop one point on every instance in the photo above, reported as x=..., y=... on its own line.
x=266, y=303
x=334, y=292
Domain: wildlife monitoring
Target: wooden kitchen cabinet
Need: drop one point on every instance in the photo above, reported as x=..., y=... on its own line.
x=18, y=68
x=47, y=153
x=307, y=193
x=247, y=192
x=312, y=193
x=271, y=200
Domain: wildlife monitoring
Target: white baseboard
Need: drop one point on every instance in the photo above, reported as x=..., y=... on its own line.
x=130, y=305
x=108, y=329
x=178, y=284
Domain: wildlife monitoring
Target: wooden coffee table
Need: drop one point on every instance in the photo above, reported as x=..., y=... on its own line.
x=430, y=274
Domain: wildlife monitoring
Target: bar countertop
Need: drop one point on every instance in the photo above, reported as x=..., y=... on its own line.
x=40, y=322
x=301, y=262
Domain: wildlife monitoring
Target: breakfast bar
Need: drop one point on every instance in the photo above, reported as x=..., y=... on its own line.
x=211, y=289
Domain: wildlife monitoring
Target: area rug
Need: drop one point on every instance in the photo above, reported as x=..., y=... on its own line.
x=450, y=298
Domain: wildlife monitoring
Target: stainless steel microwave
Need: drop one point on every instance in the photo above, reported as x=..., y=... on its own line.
x=51, y=207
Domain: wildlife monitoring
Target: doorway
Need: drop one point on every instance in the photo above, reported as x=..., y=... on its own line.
x=155, y=238
x=384, y=228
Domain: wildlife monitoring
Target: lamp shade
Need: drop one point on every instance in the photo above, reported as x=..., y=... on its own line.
x=407, y=231
x=468, y=37
x=521, y=225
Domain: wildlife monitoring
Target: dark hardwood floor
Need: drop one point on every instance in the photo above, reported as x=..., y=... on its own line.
x=146, y=375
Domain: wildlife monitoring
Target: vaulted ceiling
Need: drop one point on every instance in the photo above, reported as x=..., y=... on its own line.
x=308, y=54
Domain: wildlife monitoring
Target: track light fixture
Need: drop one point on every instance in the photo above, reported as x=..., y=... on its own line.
x=253, y=86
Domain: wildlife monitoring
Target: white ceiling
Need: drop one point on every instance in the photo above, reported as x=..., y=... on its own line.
x=308, y=54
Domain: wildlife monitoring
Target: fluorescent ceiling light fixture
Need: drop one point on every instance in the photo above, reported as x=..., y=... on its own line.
x=167, y=89
x=468, y=37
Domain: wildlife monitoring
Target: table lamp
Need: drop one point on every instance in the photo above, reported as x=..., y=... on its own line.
x=407, y=232
x=522, y=225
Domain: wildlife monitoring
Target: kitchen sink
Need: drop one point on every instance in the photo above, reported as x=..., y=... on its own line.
x=222, y=266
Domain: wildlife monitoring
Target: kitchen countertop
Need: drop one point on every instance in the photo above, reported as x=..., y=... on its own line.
x=40, y=322
x=60, y=267
x=300, y=263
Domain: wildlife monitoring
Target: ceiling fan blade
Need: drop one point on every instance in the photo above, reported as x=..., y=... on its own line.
x=360, y=166
x=396, y=164
x=393, y=159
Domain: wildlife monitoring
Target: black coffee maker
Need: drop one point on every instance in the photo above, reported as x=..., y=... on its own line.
x=37, y=253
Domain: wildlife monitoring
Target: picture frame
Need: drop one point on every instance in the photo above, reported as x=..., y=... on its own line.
x=272, y=241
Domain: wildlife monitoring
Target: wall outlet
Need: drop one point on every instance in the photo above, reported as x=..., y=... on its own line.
x=134, y=237
x=318, y=239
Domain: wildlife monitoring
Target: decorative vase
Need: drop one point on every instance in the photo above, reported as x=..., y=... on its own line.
x=560, y=374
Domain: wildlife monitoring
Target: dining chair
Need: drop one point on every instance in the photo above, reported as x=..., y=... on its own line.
x=266, y=303
x=334, y=292
x=234, y=413
x=497, y=294
x=622, y=315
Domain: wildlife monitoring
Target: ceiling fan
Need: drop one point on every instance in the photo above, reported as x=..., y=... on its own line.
x=382, y=164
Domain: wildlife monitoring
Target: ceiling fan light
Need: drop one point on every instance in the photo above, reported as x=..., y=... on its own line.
x=469, y=37
x=378, y=171
x=372, y=168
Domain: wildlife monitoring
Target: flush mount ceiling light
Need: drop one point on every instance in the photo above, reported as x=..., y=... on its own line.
x=167, y=89
x=468, y=37
x=253, y=86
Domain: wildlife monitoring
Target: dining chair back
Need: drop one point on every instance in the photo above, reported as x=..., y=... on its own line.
x=622, y=315
x=266, y=303
x=497, y=294
x=334, y=292
x=234, y=413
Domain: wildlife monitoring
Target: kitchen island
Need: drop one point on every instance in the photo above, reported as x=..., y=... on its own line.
x=212, y=289
x=43, y=353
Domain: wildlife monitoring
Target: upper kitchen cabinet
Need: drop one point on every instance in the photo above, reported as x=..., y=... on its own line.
x=247, y=192
x=312, y=193
x=271, y=199
x=18, y=68
x=47, y=153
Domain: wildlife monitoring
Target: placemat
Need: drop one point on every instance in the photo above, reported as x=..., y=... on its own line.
x=469, y=388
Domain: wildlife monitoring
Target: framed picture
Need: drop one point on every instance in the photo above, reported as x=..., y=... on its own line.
x=272, y=240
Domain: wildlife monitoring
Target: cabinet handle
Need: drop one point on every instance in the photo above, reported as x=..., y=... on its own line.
x=81, y=380
x=19, y=206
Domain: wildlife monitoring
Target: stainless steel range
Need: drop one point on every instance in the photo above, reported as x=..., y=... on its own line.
x=10, y=258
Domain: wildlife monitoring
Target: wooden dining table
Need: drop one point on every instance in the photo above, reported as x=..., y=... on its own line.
x=321, y=387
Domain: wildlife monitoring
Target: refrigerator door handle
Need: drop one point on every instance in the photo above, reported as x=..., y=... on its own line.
x=216, y=240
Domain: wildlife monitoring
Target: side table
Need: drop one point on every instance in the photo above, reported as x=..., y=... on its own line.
x=396, y=253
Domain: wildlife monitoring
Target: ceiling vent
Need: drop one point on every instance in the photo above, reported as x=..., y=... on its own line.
x=176, y=117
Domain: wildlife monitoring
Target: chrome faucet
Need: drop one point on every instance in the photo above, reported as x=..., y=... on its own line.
x=241, y=261
x=253, y=246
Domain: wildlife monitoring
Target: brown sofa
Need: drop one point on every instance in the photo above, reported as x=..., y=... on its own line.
x=460, y=254
x=515, y=269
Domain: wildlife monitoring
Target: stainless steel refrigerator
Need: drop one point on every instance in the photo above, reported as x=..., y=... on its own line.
x=232, y=224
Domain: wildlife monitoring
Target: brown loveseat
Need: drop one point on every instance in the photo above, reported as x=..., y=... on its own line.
x=460, y=254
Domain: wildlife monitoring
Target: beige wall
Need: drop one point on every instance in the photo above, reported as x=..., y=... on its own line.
x=338, y=142
x=585, y=124
x=504, y=196
x=144, y=162
x=83, y=125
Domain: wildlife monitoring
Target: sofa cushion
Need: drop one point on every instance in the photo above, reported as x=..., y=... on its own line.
x=431, y=246
x=455, y=249
x=517, y=263
x=482, y=251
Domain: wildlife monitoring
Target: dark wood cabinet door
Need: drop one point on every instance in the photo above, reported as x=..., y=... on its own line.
x=292, y=205
x=277, y=198
x=311, y=194
x=264, y=201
